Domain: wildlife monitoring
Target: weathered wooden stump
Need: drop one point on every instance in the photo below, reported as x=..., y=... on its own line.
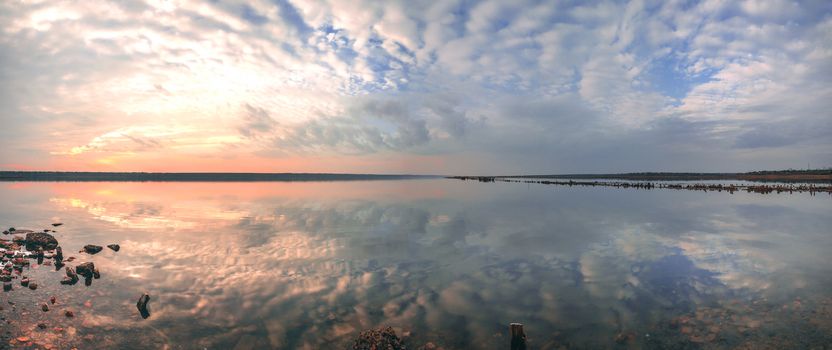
x=518, y=338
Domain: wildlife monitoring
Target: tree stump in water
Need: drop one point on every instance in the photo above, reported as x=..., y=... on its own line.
x=518, y=338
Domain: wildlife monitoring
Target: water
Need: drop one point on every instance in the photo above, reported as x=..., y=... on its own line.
x=309, y=265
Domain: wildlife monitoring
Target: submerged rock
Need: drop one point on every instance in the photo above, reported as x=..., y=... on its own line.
x=44, y=307
x=114, y=247
x=142, y=305
x=33, y=286
x=92, y=249
x=40, y=239
x=379, y=338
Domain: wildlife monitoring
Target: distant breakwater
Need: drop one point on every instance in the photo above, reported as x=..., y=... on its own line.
x=730, y=188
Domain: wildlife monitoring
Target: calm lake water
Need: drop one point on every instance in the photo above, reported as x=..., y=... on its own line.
x=309, y=265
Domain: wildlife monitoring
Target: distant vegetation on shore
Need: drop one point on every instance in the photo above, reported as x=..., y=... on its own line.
x=791, y=175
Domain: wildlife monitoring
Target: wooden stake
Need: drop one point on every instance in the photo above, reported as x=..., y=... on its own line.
x=518, y=338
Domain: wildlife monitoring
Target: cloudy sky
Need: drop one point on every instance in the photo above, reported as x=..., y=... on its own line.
x=445, y=86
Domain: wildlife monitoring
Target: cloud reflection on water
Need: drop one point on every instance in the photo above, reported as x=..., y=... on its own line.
x=310, y=271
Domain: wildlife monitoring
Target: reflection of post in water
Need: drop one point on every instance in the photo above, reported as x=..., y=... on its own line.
x=518, y=338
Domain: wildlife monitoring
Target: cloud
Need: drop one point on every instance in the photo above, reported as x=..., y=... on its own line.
x=329, y=78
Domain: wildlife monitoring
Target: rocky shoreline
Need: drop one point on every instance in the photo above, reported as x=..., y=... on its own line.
x=21, y=251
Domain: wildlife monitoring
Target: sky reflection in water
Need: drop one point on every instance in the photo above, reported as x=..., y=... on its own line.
x=308, y=265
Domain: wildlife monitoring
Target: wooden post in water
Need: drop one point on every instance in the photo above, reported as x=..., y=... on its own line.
x=518, y=338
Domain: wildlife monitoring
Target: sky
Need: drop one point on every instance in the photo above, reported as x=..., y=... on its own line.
x=428, y=87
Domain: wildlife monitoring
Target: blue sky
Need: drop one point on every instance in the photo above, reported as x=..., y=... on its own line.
x=431, y=87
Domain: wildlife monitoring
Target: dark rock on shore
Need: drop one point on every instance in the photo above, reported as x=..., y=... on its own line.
x=40, y=239
x=142, y=305
x=92, y=249
x=378, y=338
x=114, y=247
x=85, y=269
x=71, y=277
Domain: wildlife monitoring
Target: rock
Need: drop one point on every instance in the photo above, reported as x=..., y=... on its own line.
x=114, y=247
x=33, y=286
x=625, y=337
x=69, y=313
x=40, y=239
x=57, y=224
x=23, y=339
x=96, y=274
x=24, y=282
x=142, y=305
x=7, y=286
x=92, y=249
x=11, y=229
x=85, y=269
x=378, y=338
x=42, y=325
x=44, y=307
x=59, y=254
x=53, y=300
x=71, y=276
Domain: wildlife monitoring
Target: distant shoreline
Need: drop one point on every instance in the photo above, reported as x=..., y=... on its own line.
x=68, y=176
x=759, y=176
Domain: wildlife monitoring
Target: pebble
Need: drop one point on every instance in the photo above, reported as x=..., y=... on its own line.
x=69, y=313
x=33, y=286
x=44, y=307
